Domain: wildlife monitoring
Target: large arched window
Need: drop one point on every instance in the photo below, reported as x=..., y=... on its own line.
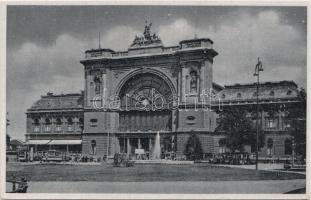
x=58, y=125
x=270, y=146
x=70, y=124
x=288, y=146
x=47, y=125
x=93, y=147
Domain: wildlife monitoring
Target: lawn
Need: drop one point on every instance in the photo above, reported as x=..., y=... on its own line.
x=106, y=172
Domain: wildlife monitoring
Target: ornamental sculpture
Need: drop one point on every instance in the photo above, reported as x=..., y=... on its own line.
x=147, y=38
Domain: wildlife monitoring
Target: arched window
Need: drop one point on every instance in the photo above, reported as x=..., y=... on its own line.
x=223, y=96
x=239, y=95
x=93, y=147
x=36, y=125
x=222, y=145
x=81, y=124
x=47, y=125
x=270, y=146
x=272, y=93
x=97, y=81
x=288, y=146
x=193, y=81
x=70, y=124
x=58, y=125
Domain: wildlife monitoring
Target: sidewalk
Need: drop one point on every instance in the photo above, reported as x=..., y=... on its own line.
x=180, y=187
x=266, y=167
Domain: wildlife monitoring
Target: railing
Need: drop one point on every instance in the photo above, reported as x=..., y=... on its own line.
x=169, y=49
x=119, y=54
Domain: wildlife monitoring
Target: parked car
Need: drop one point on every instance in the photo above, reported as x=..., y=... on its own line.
x=23, y=156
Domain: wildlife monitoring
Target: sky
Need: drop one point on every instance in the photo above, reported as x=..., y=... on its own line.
x=46, y=43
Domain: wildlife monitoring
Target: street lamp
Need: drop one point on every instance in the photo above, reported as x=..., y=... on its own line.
x=258, y=69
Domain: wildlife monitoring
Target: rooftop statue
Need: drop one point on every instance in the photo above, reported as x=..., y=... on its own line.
x=147, y=38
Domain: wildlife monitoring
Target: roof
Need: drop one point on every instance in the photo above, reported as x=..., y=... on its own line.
x=197, y=40
x=16, y=142
x=59, y=102
x=267, y=91
x=99, y=50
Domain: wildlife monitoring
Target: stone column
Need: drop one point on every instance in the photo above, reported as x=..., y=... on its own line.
x=150, y=144
x=201, y=82
x=87, y=88
x=117, y=145
x=104, y=89
x=183, y=82
x=174, y=119
x=139, y=143
x=128, y=146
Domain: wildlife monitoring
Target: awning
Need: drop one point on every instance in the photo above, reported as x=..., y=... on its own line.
x=65, y=142
x=37, y=142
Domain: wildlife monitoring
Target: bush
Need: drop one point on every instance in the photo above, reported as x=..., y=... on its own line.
x=193, y=150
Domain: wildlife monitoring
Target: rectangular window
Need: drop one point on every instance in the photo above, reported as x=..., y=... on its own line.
x=47, y=128
x=58, y=128
x=287, y=124
x=93, y=122
x=70, y=128
x=36, y=129
x=271, y=123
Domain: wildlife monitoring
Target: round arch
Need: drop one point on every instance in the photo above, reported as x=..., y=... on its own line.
x=145, y=71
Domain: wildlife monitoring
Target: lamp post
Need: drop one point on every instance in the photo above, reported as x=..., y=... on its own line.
x=258, y=69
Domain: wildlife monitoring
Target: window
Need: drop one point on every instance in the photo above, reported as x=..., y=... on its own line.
x=81, y=124
x=36, y=126
x=222, y=145
x=239, y=95
x=288, y=146
x=97, y=81
x=223, y=96
x=70, y=124
x=271, y=123
x=272, y=93
x=93, y=122
x=193, y=81
x=269, y=146
x=47, y=125
x=93, y=147
x=289, y=92
x=287, y=123
x=58, y=125
x=255, y=94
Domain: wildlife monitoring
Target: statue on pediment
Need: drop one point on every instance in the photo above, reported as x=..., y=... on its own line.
x=147, y=38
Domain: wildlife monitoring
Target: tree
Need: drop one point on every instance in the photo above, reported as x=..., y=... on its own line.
x=297, y=115
x=193, y=150
x=238, y=129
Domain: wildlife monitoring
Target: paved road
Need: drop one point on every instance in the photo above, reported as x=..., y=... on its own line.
x=215, y=187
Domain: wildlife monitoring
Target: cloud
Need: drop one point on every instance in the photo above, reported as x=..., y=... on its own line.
x=240, y=40
x=179, y=30
x=120, y=37
x=33, y=70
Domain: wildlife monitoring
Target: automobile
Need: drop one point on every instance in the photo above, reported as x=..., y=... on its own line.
x=23, y=156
